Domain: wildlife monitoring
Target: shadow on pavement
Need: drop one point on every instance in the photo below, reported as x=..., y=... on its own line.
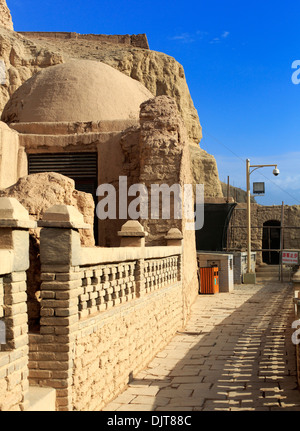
x=235, y=353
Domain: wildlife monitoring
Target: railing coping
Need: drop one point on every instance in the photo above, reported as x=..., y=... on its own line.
x=98, y=255
x=63, y=225
x=18, y=224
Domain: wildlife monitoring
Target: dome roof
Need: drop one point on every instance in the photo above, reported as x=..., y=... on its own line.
x=76, y=91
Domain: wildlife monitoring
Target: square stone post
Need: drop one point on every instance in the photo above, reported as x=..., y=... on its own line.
x=175, y=239
x=60, y=251
x=132, y=234
x=14, y=261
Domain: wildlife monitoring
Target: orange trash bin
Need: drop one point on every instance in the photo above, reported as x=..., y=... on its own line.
x=209, y=280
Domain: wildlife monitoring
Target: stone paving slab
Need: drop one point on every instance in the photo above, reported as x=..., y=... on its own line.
x=234, y=354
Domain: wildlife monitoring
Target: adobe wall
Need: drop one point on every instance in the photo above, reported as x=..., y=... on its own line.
x=122, y=342
x=14, y=261
x=107, y=349
x=259, y=215
x=136, y=40
x=115, y=142
x=12, y=157
x=5, y=16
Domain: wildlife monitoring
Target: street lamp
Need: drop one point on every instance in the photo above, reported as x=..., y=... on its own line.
x=250, y=277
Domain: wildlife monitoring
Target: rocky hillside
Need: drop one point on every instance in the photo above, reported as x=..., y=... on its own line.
x=22, y=58
x=5, y=16
x=158, y=72
x=239, y=195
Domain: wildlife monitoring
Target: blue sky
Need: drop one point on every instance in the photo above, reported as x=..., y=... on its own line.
x=237, y=56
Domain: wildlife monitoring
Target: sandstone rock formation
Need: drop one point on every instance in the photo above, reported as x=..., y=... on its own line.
x=5, y=16
x=38, y=192
x=205, y=171
x=159, y=73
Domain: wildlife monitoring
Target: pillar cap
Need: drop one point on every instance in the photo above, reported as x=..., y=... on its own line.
x=296, y=276
x=13, y=214
x=63, y=216
x=174, y=233
x=132, y=228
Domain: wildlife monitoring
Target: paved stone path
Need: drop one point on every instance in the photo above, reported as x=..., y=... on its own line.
x=235, y=353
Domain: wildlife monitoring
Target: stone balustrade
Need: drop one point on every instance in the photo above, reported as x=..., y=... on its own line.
x=104, y=312
x=124, y=303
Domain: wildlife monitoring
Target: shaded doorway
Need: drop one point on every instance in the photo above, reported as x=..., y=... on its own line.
x=271, y=241
x=80, y=167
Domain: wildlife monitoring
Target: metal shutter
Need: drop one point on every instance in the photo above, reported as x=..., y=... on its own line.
x=73, y=165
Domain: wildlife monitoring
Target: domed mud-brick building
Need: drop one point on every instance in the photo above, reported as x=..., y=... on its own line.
x=89, y=122
x=70, y=118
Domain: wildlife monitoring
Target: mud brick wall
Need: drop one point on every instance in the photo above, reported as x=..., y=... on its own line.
x=237, y=238
x=136, y=40
x=114, y=346
x=89, y=360
x=14, y=354
x=105, y=313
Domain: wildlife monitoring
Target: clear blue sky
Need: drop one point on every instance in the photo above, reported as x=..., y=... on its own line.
x=237, y=56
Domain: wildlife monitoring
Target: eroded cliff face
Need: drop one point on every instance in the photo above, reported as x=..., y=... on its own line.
x=158, y=72
x=21, y=59
x=205, y=171
x=5, y=16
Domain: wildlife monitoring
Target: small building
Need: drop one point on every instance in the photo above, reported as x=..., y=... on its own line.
x=224, y=262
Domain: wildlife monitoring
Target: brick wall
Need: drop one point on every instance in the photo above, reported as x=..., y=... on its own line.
x=112, y=347
x=105, y=313
x=14, y=261
x=14, y=353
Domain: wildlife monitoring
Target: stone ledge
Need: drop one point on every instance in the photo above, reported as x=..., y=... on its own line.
x=63, y=225
x=20, y=224
x=41, y=399
x=6, y=261
x=99, y=255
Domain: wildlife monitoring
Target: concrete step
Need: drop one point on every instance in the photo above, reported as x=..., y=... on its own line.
x=41, y=399
x=268, y=268
x=267, y=274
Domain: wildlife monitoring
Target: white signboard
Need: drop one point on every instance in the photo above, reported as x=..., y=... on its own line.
x=259, y=188
x=290, y=257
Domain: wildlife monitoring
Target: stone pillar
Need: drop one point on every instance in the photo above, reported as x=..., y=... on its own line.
x=132, y=234
x=61, y=280
x=174, y=238
x=14, y=261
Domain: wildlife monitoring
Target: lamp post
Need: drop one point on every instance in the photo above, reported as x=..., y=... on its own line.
x=250, y=276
